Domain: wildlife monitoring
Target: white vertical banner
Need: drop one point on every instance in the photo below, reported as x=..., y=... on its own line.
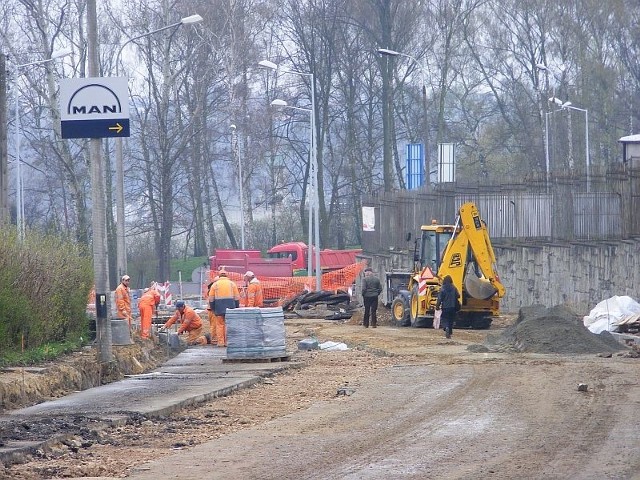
x=368, y=219
x=446, y=162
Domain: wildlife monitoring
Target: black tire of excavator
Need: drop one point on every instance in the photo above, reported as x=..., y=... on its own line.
x=414, y=320
x=482, y=323
x=400, y=312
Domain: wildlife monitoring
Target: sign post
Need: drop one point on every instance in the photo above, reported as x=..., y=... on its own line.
x=94, y=107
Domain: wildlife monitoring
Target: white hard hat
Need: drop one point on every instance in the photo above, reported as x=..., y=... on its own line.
x=249, y=274
x=125, y=277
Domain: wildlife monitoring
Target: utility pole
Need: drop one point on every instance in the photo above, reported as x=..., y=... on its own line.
x=98, y=216
x=4, y=160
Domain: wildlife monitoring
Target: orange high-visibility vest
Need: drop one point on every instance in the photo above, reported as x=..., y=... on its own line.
x=254, y=294
x=224, y=294
x=188, y=318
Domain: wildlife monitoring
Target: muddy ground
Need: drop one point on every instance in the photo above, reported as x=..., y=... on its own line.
x=506, y=386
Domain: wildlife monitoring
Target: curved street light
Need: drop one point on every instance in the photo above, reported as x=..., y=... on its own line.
x=121, y=254
x=393, y=53
x=283, y=104
x=19, y=180
x=313, y=177
x=569, y=106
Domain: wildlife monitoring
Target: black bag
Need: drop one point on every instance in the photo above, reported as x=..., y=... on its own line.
x=458, y=305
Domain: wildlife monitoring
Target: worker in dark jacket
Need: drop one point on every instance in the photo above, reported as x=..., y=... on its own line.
x=371, y=289
x=447, y=300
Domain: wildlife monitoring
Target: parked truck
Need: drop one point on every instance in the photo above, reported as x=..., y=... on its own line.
x=298, y=253
x=283, y=260
x=240, y=261
x=464, y=252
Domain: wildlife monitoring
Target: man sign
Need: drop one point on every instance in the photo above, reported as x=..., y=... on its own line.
x=94, y=107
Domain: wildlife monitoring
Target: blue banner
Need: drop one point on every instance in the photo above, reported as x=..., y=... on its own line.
x=415, y=165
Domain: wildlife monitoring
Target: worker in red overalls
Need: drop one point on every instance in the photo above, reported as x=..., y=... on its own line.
x=123, y=300
x=190, y=322
x=253, y=296
x=147, y=305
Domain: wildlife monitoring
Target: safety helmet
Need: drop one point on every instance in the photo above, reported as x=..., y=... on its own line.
x=125, y=277
x=179, y=304
x=249, y=274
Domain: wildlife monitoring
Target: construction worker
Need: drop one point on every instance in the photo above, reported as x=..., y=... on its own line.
x=213, y=339
x=223, y=294
x=123, y=300
x=190, y=322
x=253, y=295
x=147, y=304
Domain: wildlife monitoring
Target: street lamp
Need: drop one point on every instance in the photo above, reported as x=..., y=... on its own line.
x=392, y=53
x=312, y=201
x=19, y=181
x=568, y=105
x=235, y=154
x=313, y=167
x=121, y=254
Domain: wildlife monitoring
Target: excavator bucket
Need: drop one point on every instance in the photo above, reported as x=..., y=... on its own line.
x=478, y=287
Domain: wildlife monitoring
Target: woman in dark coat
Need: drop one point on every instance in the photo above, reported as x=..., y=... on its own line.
x=447, y=299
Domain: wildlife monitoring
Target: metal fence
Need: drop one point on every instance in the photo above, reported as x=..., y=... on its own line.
x=601, y=207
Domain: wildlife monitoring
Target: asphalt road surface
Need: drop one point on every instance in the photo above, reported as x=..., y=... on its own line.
x=415, y=406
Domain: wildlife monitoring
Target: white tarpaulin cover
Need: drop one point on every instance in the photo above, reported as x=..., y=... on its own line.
x=608, y=312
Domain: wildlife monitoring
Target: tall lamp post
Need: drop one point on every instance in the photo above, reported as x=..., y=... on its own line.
x=314, y=168
x=121, y=253
x=19, y=180
x=393, y=53
x=568, y=106
x=236, y=156
x=282, y=103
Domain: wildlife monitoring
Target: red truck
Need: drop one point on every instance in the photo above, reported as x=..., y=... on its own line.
x=283, y=260
x=298, y=253
x=240, y=261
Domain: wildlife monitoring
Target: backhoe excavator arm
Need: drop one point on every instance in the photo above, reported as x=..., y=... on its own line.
x=472, y=236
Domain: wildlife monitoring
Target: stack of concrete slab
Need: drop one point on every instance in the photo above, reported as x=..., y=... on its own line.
x=255, y=333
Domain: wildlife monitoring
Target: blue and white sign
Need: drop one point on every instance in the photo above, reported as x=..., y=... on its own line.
x=415, y=165
x=94, y=107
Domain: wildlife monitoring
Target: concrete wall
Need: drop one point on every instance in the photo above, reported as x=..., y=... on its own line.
x=578, y=274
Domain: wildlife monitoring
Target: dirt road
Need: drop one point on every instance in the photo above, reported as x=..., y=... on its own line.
x=417, y=406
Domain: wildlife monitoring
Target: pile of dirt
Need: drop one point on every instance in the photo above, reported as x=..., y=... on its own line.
x=558, y=329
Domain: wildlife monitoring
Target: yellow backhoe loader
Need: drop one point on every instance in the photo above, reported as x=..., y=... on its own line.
x=462, y=251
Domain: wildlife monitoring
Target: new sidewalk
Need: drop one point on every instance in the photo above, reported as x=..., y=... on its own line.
x=194, y=376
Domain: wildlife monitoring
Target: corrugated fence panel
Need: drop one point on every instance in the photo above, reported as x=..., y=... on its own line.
x=509, y=215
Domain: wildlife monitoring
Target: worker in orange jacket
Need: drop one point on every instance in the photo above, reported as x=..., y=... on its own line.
x=223, y=295
x=253, y=296
x=123, y=300
x=147, y=305
x=190, y=322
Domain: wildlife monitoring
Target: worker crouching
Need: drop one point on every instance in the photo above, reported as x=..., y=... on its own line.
x=190, y=322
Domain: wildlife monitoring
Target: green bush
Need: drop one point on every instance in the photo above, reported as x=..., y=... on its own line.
x=44, y=287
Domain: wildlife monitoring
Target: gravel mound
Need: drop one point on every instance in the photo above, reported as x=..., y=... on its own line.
x=558, y=329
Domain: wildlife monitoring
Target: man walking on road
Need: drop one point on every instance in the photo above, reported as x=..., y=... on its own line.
x=371, y=289
x=448, y=300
